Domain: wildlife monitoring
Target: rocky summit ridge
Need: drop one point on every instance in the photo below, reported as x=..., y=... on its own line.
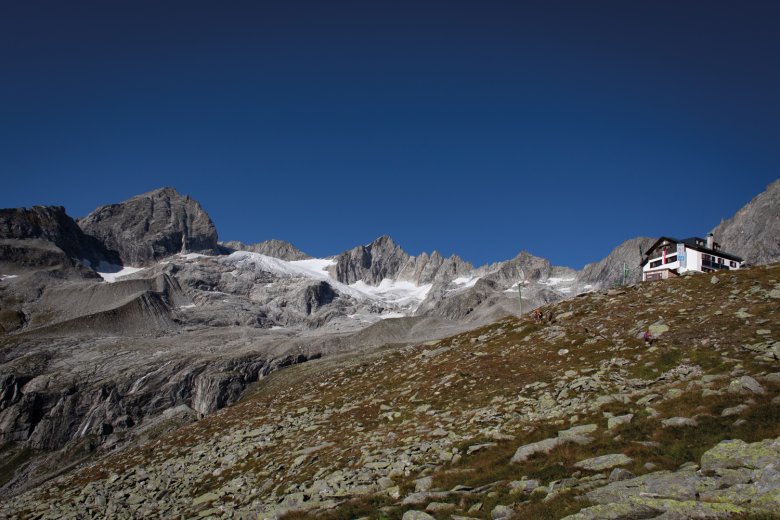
x=578, y=417
x=152, y=226
x=275, y=248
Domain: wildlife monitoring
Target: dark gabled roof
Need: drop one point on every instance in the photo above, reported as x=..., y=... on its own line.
x=693, y=243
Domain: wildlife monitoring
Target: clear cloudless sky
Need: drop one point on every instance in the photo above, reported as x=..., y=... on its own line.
x=479, y=128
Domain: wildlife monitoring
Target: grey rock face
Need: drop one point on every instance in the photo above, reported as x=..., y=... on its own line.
x=460, y=305
x=152, y=226
x=433, y=268
x=383, y=258
x=274, y=248
x=754, y=231
x=524, y=266
x=45, y=236
x=55, y=393
x=609, y=271
x=372, y=263
x=87, y=308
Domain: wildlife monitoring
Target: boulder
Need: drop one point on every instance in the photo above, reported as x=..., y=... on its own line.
x=745, y=384
x=677, y=422
x=620, y=420
x=604, y=462
x=525, y=452
x=736, y=453
x=417, y=515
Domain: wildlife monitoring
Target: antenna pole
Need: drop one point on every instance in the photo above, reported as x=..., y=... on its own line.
x=520, y=298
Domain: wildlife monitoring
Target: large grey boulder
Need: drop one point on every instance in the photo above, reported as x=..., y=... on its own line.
x=754, y=231
x=736, y=453
x=152, y=226
x=604, y=462
x=527, y=451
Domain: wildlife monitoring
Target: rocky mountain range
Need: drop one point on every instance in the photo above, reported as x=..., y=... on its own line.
x=135, y=317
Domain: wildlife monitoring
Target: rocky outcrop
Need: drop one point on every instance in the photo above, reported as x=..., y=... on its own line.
x=45, y=236
x=314, y=296
x=490, y=292
x=372, y=263
x=221, y=385
x=152, y=226
x=754, y=231
x=126, y=307
x=57, y=394
x=383, y=258
x=458, y=306
x=433, y=268
x=609, y=271
x=524, y=267
x=274, y=248
x=736, y=478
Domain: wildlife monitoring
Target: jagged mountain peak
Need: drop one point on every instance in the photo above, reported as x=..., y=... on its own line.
x=168, y=191
x=151, y=226
x=371, y=263
x=383, y=242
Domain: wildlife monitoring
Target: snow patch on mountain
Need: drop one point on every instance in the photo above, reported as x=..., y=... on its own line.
x=464, y=282
x=560, y=284
x=282, y=268
x=396, y=293
x=111, y=272
x=318, y=267
x=192, y=256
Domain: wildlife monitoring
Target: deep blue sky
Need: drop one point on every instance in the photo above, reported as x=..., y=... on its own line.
x=481, y=128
